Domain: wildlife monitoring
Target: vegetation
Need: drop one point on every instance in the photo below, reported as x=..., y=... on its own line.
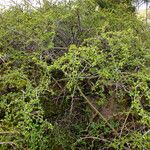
x=74, y=76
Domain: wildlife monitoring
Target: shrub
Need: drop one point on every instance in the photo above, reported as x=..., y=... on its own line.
x=74, y=76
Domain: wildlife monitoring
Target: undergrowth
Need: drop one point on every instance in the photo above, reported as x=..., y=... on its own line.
x=74, y=76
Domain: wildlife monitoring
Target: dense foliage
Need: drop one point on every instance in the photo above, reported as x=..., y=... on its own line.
x=74, y=76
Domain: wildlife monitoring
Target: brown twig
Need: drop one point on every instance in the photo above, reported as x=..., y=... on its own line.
x=56, y=82
x=96, y=111
x=14, y=145
x=124, y=123
x=72, y=101
x=8, y=133
x=90, y=137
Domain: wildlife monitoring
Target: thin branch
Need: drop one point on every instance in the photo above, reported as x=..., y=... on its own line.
x=8, y=133
x=96, y=111
x=14, y=145
x=124, y=123
x=72, y=101
x=146, y=132
x=57, y=83
x=90, y=137
x=65, y=48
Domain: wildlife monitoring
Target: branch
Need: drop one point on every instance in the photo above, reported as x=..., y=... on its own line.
x=9, y=133
x=96, y=111
x=14, y=145
x=90, y=137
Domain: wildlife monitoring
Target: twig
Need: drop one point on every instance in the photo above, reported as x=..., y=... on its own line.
x=146, y=132
x=84, y=77
x=90, y=137
x=2, y=59
x=71, y=108
x=14, y=145
x=91, y=120
x=124, y=123
x=9, y=133
x=65, y=48
x=57, y=82
x=95, y=109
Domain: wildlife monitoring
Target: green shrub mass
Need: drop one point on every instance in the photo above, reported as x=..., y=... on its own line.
x=74, y=76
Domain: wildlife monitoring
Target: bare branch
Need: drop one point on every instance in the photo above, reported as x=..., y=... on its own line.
x=96, y=111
